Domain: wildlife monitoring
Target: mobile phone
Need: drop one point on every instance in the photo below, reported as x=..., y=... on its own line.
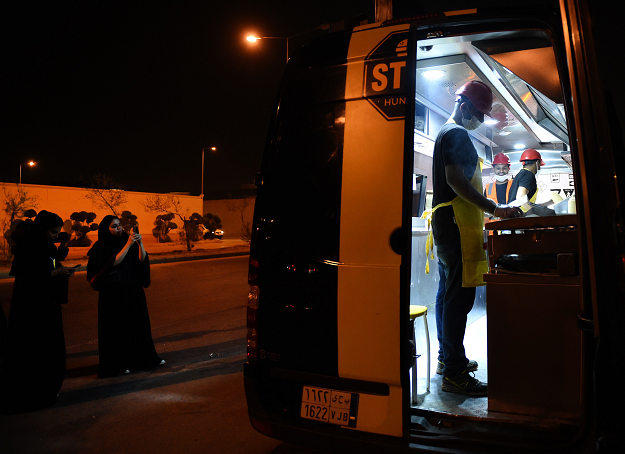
x=76, y=266
x=135, y=228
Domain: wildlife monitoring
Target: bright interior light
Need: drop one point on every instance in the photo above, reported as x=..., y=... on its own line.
x=491, y=121
x=252, y=39
x=434, y=73
x=518, y=146
x=504, y=133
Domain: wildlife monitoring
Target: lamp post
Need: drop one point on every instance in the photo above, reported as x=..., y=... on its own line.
x=31, y=164
x=211, y=149
x=253, y=39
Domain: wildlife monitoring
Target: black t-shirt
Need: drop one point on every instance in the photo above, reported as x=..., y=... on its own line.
x=453, y=146
x=526, y=179
x=501, y=193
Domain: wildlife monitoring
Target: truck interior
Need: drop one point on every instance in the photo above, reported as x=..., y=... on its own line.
x=522, y=330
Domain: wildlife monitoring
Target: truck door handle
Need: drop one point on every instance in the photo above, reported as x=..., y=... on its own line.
x=398, y=241
x=585, y=324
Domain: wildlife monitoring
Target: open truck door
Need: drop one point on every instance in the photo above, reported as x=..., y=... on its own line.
x=599, y=163
x=326, y=257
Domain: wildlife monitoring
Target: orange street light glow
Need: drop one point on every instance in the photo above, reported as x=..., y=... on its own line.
x=31, y=163
x=252, y=38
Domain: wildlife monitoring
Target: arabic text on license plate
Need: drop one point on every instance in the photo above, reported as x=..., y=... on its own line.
x=328, y=405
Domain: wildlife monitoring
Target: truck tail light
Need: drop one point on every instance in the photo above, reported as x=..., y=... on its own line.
x=252, y=324
x=252, y=273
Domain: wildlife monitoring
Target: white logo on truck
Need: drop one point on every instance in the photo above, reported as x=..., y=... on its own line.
x=385, y=75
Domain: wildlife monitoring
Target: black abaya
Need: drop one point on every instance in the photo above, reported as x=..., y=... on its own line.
x=124, y=332
x=34, y=358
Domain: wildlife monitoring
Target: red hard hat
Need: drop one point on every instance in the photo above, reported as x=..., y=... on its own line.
x=479, y=94
x=531, y=155
x=501, y=158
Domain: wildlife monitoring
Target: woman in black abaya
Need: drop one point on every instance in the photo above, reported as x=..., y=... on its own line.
x=34, y=358
x=119, y=268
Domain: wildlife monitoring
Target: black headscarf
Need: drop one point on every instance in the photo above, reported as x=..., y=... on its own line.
x=33, y=233
x=45, y=221
x=107, y=239
x=31, y=243
x=102, y=258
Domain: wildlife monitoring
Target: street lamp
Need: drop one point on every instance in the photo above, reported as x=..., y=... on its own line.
x=31, y=164
x=252, y=39
x=211, y=149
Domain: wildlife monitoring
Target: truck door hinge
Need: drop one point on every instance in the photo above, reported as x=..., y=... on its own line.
x=585, y=324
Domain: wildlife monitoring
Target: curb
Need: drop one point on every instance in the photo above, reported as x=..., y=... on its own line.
x=195, y=257
x=77, y=391
x=155, y=259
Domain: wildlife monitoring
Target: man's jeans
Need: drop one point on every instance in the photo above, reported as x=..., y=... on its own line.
x=440, y=297
x=453, y=303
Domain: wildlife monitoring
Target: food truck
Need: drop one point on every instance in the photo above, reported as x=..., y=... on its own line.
x=338, y=357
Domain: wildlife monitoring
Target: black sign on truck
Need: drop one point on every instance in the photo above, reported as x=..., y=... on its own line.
x=385, y=75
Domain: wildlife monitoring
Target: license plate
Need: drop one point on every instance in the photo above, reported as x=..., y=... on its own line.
x=329, y=405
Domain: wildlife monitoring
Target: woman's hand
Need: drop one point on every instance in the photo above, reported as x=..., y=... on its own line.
x=63, y=238
x=132, y=239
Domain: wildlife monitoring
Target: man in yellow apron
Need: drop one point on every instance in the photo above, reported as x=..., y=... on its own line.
x=458, y=227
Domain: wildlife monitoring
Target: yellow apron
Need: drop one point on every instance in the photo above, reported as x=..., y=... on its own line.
x=470, y=221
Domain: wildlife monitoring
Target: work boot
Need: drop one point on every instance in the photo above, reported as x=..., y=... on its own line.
x=471, y=366
x=463, y=383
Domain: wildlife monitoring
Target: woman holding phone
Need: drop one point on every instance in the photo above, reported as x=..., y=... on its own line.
x=119, y=268
x=34, y=357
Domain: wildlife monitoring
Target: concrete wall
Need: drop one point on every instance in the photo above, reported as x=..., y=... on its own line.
x=64, y=201
x=228, y=211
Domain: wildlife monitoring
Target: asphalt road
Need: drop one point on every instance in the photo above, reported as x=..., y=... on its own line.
x=193, y=404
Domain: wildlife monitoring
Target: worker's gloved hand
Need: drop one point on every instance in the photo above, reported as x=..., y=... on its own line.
x=506, y=212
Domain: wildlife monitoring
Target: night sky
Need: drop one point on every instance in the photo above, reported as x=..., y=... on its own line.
x=135, y=90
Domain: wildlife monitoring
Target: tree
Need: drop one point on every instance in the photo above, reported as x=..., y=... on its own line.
x=170, y=204
x=163, y=224
x=239, y=206
x=17, y=205
x=128, y=221
x=106, y=194
x=195, y=228
x=211, y=223
x=30, y=214
x=82, y=224
x=202, y=226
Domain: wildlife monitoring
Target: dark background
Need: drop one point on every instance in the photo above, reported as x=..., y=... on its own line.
x=135, y=89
